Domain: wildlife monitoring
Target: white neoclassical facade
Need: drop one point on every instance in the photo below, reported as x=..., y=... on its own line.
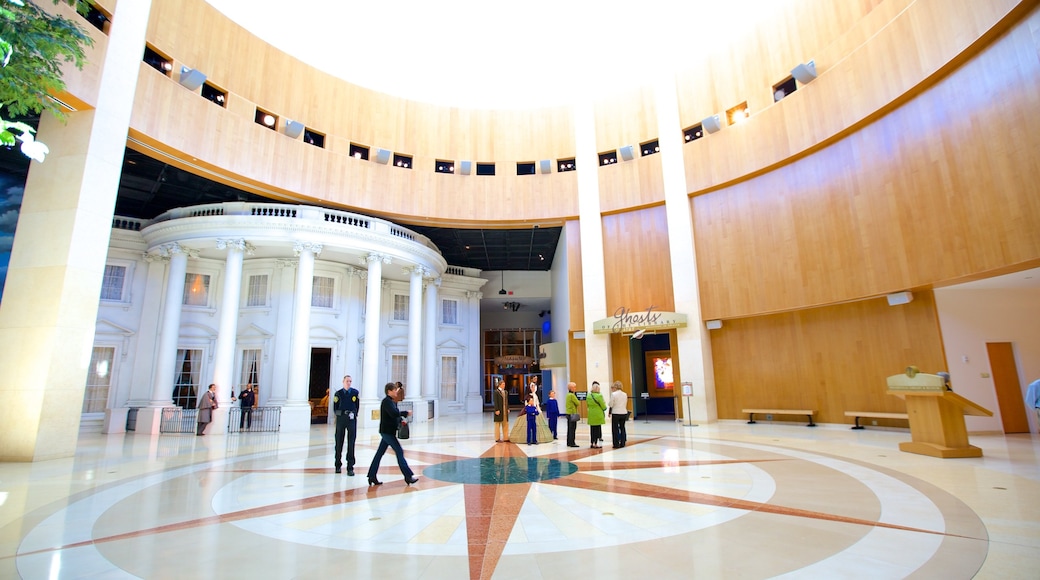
x=238, y=293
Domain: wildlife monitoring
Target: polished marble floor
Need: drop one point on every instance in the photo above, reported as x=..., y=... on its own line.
x=727, y=500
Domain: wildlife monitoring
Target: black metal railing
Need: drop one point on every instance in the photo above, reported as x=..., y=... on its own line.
x=260, y=420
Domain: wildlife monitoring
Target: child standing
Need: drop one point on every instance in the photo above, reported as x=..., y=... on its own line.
x=552, y=412
x=531, y=410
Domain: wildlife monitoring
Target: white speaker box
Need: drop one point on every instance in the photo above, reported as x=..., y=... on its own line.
x=900, y=298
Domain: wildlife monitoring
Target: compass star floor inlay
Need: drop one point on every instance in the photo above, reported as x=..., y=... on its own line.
x=725, y=500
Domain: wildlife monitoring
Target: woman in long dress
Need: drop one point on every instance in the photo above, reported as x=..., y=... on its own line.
x=518, y=434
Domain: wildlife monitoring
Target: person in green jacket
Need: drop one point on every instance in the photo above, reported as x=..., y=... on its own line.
x=572, y=414
x=597, y=415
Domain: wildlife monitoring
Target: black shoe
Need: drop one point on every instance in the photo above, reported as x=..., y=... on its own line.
x=338, y=470
x=569, y=445
x=374, y=481
x=411, y=481
x=350, y=472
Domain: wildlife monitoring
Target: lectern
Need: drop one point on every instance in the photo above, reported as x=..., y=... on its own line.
x=936, y=415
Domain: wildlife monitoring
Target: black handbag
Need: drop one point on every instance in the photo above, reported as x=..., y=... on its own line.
x=402, y=430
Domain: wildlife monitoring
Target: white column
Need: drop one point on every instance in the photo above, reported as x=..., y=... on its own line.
x=169, y=337
x=694, y=343
x=597, y=346
x=296, y=412
x=371, y=390
x=227, y=332
x=414, y=382
x=431, y=318
x=351, y=362
x=142, y=385
x=277, y=384
x=469, y=374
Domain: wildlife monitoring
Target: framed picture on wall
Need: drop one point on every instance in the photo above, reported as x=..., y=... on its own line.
x=660, y=378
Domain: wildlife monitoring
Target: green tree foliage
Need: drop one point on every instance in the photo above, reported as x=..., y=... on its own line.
x=33, y=47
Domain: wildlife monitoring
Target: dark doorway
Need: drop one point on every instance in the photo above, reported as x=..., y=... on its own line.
x=321, y=372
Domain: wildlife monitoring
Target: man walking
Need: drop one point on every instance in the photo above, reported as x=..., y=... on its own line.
x=346, y=405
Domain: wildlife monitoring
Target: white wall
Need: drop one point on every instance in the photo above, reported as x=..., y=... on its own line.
x=971, y=318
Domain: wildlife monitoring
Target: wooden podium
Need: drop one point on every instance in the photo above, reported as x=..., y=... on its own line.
x=936, y=415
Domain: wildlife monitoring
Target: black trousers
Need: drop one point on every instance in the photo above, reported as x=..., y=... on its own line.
x=246, y=420
x=617, y=429
x=572, y=428
x=346, y=429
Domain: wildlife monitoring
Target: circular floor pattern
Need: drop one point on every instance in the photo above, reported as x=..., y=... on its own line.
x=773, y=510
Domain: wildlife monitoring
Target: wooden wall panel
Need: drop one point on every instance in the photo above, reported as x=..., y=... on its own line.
x=638, y=269
x=909, y=201
x=631, y=184
x=575, y=284
x=81, y=85
x=906, y=47
x=917, y=37
x=832, y=359
x=620, y=367
x=576, y=370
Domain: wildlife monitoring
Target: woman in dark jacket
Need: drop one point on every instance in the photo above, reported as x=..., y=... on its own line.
x=389, y=418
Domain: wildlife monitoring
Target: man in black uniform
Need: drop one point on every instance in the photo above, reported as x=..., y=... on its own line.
x=346, y=405
x=245, y=401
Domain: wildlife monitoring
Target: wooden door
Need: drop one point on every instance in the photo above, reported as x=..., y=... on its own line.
x=1009, y=389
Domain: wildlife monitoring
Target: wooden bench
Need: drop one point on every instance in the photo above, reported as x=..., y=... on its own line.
x=874, y=415
x=807, y=412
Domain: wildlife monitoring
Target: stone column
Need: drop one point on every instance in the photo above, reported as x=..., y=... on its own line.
x=296, y=412
x=694, y=343
x=282, y=301
x=431, y=318
x=169, y=336
x=227, y=332
x=597, y=346
x=413, y=380
x=471, y=365
x=50, y=303
x=371, y=390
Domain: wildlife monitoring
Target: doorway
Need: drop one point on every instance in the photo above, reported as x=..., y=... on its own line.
x=321, y=372
x=1009, y=389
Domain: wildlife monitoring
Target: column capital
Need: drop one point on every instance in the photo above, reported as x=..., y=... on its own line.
x=376, y=257
x=173, y=248
x=150, y=257
x=432, y=281
x=236, y=244
x=474, y=294
x=313, y=247
x=422, y=271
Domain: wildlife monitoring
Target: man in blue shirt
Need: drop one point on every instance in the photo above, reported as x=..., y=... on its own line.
x=346, y=405
x=1033, y=399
